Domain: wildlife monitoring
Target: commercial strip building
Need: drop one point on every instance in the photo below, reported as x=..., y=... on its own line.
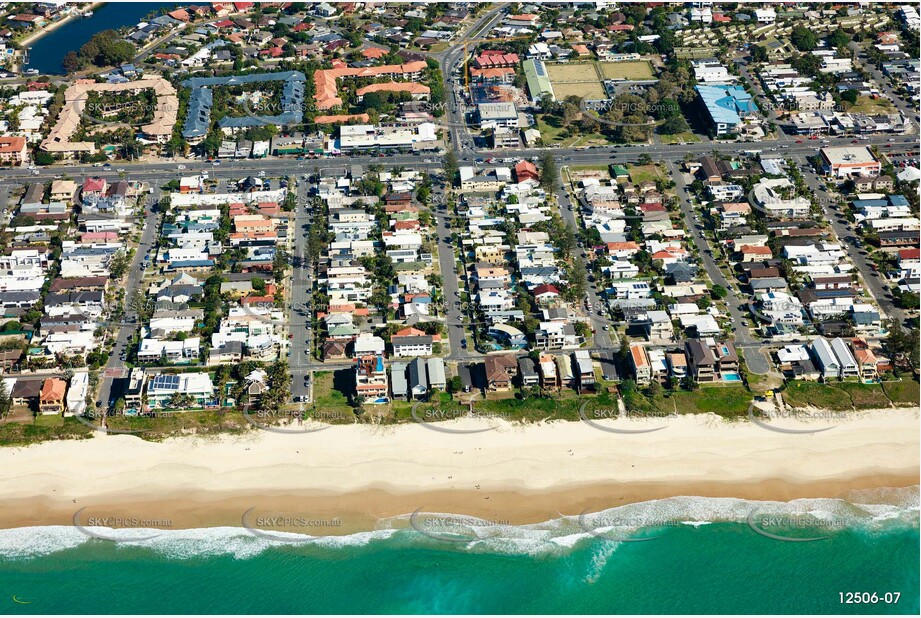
x=847, y=161
x=423, y=136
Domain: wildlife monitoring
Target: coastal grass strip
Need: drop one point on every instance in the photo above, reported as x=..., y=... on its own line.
x=865, y=396
x=813, y=394
x=726, y=401
x=24, y=434
x=194, y=422
x=903, y=392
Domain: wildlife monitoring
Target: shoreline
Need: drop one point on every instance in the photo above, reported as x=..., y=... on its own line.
x=360, y=475
x=35, y=36
x=366, y=510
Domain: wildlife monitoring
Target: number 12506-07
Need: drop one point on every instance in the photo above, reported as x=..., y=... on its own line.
x=869, y=598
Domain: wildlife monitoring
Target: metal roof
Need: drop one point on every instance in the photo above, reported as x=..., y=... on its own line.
x=726, y=104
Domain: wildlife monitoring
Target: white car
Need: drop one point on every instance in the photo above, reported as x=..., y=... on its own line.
x=121, y=169
x=182, y=167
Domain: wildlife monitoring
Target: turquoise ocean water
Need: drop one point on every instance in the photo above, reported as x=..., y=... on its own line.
x=700, y=555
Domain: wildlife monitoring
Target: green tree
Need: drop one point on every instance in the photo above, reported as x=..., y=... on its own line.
x=549, y=171
x=450, y=166
x=803, y=39
x=72, y=62
x=839, y=38
x=6, y=401
x=675, y=125
x=902, y=346
x=759, y=53
x=119, y=265
x=43, y=158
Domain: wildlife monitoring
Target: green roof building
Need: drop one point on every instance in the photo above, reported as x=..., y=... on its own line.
x=538, y=81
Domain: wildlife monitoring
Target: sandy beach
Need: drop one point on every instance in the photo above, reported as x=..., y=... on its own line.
x=354, y=476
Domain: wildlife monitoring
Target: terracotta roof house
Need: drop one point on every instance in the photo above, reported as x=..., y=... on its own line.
x=373, y=53
x=753, y=252
x=525, y=170
x=51, y=397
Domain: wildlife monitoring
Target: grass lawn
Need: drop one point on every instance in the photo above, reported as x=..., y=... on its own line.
x=631, y=69
x=866, y=105
x=865, y=396
x=22, y=434
x=825, y=396
x=587, y=139
x=326, y=397
x=49, y=420
x=726, y=401
x=565, y=407
x=441, y=407
x=198, y=422
x=548, y=133
x=687, y=137
x=592, y=90
x=553, y=135
x=598, y=168
x=642, y=173
x=903, y=392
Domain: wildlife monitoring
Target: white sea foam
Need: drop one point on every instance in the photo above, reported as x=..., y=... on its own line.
x=38, y=540
x=873, y=510
x=600, y=555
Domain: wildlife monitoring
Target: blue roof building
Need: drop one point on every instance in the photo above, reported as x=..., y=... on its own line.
x=726, y=106
x=198, y=119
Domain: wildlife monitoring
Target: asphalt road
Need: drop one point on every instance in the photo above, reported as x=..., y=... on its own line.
x=450, y=59
x=455, y=311
x=905, y=107
x=599, y=323
x=300, y=311
x=301, y=362
x=129, y=326
x=756, y=360
x=149, y=171
x=872, y=280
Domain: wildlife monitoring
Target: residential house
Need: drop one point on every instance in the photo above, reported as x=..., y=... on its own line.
x=52, y=396
x=639, y=363
x=500, y=370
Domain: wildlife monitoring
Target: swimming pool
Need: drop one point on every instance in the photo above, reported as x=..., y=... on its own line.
x=731, y=376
